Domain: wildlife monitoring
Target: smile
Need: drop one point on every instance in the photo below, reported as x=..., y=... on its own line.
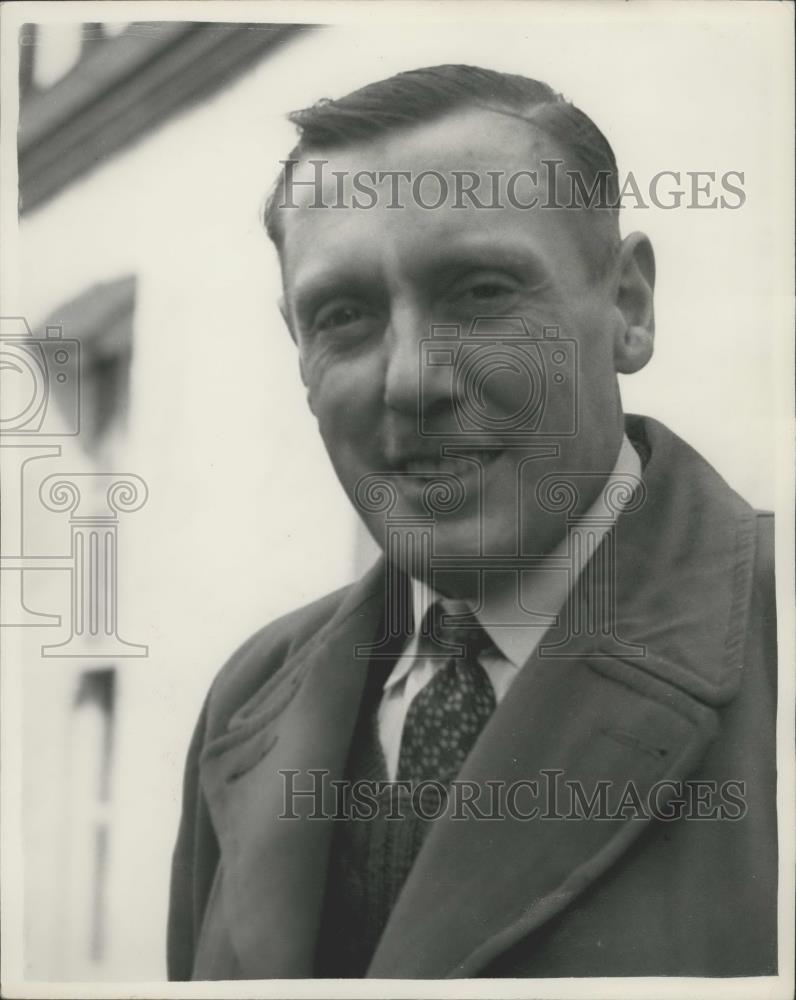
x=430, y=465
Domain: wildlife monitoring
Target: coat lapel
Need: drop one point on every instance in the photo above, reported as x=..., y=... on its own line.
x=272, y=874
x=478, y=885
x=684, y=563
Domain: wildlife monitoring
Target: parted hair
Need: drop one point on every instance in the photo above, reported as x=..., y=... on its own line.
x=426, y=95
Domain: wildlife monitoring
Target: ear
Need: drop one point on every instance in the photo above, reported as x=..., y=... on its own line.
x=635, y=334
x=291, y=330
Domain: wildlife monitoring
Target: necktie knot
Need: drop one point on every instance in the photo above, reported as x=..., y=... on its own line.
x=451, y=631
x=446, y=716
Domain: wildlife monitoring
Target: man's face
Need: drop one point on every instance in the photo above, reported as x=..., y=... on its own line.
x=363, y=289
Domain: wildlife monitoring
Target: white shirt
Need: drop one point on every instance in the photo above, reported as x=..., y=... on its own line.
x=544, y=591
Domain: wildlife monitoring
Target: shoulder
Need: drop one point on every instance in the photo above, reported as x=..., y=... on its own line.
x=764, y=579
x=262, y=654
x=765, y=538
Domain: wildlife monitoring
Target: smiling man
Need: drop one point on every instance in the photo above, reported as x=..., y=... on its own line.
x=537, y=738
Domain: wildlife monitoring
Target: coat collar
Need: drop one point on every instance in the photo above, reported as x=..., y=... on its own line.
x=683, y=574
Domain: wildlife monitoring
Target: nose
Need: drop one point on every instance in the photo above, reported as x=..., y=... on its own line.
x=411, y=385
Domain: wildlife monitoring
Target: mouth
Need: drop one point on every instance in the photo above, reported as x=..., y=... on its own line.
x=429, y=465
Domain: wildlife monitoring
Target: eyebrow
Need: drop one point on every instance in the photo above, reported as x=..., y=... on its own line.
x=486, y=253
x=314, y=288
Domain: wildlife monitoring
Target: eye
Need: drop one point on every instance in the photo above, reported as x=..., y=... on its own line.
x=484, y=291
x=337, y=317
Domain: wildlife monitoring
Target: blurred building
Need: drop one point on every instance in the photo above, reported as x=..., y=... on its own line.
x=145, y=152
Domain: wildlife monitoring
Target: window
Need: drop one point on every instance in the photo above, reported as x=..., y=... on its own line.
x=101, y=319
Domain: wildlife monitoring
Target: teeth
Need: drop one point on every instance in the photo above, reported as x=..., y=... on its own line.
x=426, y=465
x=454, y=466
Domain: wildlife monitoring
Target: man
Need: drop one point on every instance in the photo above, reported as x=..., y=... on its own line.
x=572, y=628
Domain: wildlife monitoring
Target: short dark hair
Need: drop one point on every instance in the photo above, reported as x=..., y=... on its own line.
x=431, y=93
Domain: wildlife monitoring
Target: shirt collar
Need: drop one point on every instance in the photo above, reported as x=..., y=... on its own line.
x=423, y=596
x=545, y=591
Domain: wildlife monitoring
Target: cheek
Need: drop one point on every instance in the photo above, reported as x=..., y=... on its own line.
x=344, y=391
x=599, y=400
x=592, y=326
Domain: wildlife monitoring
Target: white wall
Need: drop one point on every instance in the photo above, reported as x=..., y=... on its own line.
x=244, y=519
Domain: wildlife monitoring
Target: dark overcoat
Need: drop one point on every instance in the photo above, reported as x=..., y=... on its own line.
x=626, y=896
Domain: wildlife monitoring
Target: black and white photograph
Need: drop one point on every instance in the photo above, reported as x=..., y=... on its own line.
x=398, y=488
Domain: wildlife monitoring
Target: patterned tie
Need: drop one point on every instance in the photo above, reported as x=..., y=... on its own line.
x=446, y=717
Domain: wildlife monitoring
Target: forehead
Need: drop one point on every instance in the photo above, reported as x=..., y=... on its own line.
x=476, y=149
